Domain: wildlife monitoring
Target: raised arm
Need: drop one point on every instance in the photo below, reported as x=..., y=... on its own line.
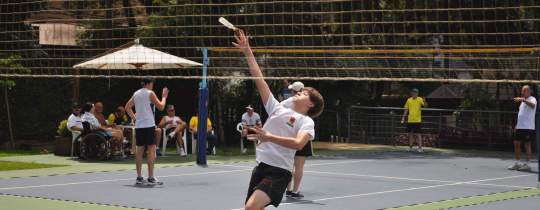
x=262, y=86
x=159, y=104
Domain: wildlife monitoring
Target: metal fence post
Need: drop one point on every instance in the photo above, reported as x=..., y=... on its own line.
x=349, y=123
x=392, y=130
x=489, y=133
x=440, y=129
x=337, y=126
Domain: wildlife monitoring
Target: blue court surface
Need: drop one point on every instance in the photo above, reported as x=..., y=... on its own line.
x=366, y=181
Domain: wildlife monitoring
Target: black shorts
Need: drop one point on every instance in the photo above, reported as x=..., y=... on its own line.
x=271, y=180
x=525, y=135
x=145, y=136
x=306, y=151
x=414, y=128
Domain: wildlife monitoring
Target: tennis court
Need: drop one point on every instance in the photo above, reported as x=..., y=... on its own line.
x=379, y=180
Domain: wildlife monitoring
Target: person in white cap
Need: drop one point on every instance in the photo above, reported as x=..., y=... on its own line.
x=250, y=119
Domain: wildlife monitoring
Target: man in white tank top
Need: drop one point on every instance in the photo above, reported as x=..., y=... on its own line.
x=145, y=133
x=174, y=124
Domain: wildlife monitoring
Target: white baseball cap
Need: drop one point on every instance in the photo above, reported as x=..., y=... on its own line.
x=249, y=107
x=296, y=86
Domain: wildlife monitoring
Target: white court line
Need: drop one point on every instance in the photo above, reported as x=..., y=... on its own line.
x=113, y=180
x=320, y=164
x=402, y=190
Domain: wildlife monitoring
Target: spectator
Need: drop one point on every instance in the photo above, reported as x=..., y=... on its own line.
x=250, y=119
x=174, y=126
x=94, y=124
x=74, y=120
x=211, y=138
x=98, y=113
x=118, y=118
x=286, y=93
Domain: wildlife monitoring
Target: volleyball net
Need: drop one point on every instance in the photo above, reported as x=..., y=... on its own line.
x=381, y=40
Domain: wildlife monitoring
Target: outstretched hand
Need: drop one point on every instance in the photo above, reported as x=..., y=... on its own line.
x=243, y=41
x=165, y=93
x=260, y=134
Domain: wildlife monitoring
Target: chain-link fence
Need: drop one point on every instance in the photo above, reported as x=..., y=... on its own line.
x=443, y=128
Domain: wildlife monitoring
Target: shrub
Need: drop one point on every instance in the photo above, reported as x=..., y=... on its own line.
x=63, y=129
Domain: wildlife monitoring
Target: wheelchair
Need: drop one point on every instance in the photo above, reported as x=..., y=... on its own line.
x=94, y=145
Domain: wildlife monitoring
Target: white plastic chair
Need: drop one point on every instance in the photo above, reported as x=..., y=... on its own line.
x=165, y=139
x=194, y=143
x=74, y=134
x=240, y=128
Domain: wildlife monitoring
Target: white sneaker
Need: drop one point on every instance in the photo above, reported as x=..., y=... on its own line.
x=409, y=149
x=524, y=167
x=244, y=150
x=514, y=167
x=171, y=135
x=420, y=149
x=182, y=153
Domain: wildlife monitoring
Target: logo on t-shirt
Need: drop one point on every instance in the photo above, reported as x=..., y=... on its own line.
x=291, y=122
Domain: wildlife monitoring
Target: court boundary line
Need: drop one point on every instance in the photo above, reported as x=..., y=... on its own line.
x=471, y=197
x=400, y=190
x=70, y=201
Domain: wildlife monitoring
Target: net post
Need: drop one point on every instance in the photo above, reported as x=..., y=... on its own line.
x=202, y=126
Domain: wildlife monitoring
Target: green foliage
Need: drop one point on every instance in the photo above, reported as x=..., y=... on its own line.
x=11, y=67
x=9, y=165
x=477, y=97
x=14, y=153
x=63, y=129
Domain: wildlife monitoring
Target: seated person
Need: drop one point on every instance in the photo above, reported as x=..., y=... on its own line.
x=74, y=120
x=211, y=138
x=174, y=126
x=119, y=118
x=250, y=119
x=94, y=124
x=98, y=113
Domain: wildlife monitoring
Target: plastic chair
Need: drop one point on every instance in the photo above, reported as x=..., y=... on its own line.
x=194, y=143
x=240, y=128
x=75, y=134
x=165, y=139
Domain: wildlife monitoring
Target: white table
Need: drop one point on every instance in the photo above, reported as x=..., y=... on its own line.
x=133, y=139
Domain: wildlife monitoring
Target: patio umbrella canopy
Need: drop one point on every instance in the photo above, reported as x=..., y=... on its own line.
x=136, y=56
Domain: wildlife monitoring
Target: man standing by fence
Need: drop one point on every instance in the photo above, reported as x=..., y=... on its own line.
x=525, y=128
x=414, y=126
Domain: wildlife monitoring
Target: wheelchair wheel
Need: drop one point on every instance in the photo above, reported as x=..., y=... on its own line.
x=110, y=156
x=93, y=147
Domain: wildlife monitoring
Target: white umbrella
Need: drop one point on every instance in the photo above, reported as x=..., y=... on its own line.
x=136, y=56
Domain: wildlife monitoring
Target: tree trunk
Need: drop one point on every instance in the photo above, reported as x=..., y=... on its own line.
x=9, y=117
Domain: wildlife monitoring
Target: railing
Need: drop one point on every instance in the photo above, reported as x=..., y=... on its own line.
x=443, y=128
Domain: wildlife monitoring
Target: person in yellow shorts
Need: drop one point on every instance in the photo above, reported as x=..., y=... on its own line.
x=414, y=124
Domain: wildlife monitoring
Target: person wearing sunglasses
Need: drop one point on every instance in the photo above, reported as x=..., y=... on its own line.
x=174, y=126
x=74, y=120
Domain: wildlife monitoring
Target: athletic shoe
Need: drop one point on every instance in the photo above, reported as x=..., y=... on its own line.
x=515, y=166
x=121, y=156
x=244, y=150
x=524, y=167
x=158, y=153
x=140, y=180
x=153, y=181
x=288, y=193
x=409, y=149
x=171, y=135
x=420, y=149
x=182, y=153
x=296, y=195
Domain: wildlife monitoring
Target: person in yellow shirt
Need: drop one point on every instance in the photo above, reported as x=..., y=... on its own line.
x=211, y=138
x=414, y=124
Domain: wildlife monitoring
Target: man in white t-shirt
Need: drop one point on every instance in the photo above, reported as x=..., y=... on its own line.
x=525, y=128
x=250, y=119
x=74, y=120
x=174, y=126
x=285, y=131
